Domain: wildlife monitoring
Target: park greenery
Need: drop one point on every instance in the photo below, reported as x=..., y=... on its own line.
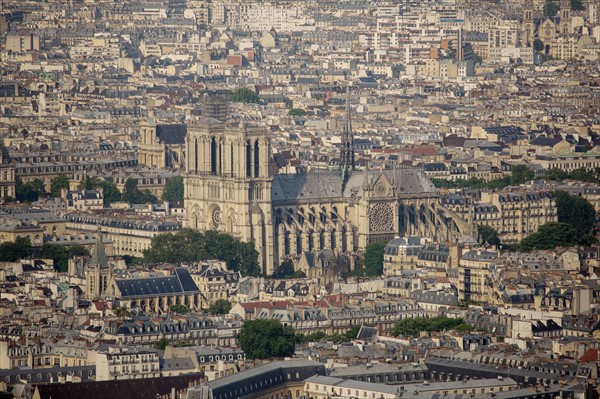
x=576, y=211
x=21, y=248
x=188, y=245
x=286, y=270
x=488, y=235
x=266, y=338
x=413, y=327
x=133, y=195
x=109, y=189
x=373, y=262
x=173, y=191
x=57, y=184
x=550, y=235
x=220, y=306
x=296, y=112
x=30, y=191
x=244, y=95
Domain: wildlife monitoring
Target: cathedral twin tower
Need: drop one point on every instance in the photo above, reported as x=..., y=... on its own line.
x=228, y=183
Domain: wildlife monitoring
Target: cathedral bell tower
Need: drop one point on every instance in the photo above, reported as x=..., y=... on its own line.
x=565, y=17
x=228, y=183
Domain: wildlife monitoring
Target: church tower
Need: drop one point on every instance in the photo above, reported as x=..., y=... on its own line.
x=98, y=272
x=565, y=17
x=228, y=183
x=347, y=163
x=527, y=27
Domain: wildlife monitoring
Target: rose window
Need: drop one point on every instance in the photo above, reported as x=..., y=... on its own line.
x=381, y=217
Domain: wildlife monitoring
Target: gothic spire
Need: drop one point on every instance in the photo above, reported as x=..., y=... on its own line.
x=347, y=151
x=99, y=258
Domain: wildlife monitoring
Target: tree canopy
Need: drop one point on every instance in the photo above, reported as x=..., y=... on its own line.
x=21, y=249
x=576, y=211
x=13, y=251
x=488, y=235
x=133, y=195
x=109, y=189
x=57, y=184
x=286, y=270
x=266, y=338
x=551, y=8
x=549, y=236
x=61, y=254
x=244, y=95
x=173, y=189
x=220, y=306
x=188, y=245
x=413, y=327
x=373, y=263
x=296, y=112
x=30, y=191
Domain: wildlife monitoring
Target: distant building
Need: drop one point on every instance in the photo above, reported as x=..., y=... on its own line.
x=161, y=146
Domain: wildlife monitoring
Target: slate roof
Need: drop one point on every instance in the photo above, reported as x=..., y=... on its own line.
x=179, y=282
x=322, y=184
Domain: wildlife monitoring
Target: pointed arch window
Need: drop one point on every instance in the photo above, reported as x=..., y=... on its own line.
x=256, y=159
x=213, y=156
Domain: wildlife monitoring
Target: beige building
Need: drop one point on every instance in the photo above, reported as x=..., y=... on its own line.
x=214, y=280
x=118, y=363
x=474, y=275
x=514, y=214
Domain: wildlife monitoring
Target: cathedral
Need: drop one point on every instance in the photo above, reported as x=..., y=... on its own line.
x=230, y=186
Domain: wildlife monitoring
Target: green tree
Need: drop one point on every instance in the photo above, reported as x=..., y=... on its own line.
x=173, y=190
x=538, y=45
x=576, y=211
x=13, y=251
x=61, y=255
x=488, y=235
x=133, y=195
x=286, y=270
x=57, y=184
x=549, y=236
x=352, y=333
x=266, y=338
x=296, y=112
x=373, y=263
x=220, y=306
x=161, y=344
x=181, y=309
x=189, y=245
x=521, y=174
x=30, y=191
x=577, y=5
x=244, y=95
x=550, y=8
x=110, y=191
